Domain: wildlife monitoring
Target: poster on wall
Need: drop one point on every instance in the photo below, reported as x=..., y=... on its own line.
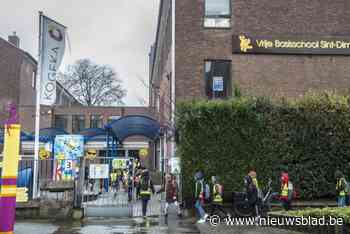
x=99, y=171
x=175, y=165
x=67, y=149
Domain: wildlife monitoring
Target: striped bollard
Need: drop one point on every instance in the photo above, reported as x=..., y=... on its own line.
x=9, y=179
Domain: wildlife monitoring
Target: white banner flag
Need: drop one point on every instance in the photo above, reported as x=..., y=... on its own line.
x=53, y=45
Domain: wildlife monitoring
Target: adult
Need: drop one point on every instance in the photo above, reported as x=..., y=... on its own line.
x=171, y=189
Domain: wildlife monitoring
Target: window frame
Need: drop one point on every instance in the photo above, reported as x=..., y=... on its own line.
x=100, y=118
x=229, y=89
x=73, y=123
x=64, y=117
x=217, y=17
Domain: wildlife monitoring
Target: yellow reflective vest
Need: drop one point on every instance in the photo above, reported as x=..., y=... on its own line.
x=217, y=196
x=338, y=186
x=113, y=177
x=284, y=192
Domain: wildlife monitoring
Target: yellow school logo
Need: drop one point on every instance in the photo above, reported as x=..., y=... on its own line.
x=245, y=43
x=143, y=152
x=44, y=154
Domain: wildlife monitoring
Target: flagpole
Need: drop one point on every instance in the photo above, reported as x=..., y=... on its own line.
x=37, y=111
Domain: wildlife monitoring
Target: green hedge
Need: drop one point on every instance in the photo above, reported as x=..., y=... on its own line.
x=309, y=137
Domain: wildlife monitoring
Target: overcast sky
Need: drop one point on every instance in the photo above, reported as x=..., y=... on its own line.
x=114, y=32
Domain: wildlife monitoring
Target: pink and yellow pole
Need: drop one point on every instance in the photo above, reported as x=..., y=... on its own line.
x=9, y=178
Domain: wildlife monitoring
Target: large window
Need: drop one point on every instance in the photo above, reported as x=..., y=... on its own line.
x=61, y=122
x=78, y=123
x=217, y=79
x=96, y=121
x=217, y=14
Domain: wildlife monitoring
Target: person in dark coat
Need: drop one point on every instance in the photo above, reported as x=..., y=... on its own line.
x=146, y=188
x=171, y=190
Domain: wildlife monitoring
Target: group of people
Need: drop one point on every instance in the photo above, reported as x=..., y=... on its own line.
x=202, y=195
x=253, y=192
x=145, y=188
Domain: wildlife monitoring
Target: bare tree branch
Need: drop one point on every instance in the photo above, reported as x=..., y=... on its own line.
x=93, y=84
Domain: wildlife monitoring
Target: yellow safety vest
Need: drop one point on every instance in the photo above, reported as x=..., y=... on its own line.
x=255, y=181
x=113, y=177
x=217, y=195
x=146, y=192
x=342, y=192
x=284, y=192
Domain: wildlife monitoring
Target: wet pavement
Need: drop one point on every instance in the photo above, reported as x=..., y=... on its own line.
x=108, y=226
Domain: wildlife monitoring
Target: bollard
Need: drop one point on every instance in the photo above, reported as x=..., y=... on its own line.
x=9, y=178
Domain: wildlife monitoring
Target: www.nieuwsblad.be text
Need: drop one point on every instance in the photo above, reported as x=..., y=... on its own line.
x=215, y=220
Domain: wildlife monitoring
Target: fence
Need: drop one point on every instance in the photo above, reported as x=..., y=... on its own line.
x=52, y=184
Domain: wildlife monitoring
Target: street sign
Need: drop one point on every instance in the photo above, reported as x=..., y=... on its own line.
x=218, y=84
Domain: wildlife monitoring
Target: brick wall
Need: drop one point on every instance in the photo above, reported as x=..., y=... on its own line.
x=272, y=75
x=10, y=67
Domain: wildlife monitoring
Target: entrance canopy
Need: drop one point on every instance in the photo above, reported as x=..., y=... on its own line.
x=134, y=125
x=94, y=134
x=49, y=134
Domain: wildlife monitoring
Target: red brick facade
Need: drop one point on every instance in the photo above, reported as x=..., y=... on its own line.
x=271, y=75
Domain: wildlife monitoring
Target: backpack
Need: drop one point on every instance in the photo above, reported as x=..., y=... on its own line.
x=347, y=187
x=145, y=184
x=290, y=190
x=205, y=190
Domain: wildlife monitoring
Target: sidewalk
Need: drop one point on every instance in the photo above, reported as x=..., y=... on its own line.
x=224, y=229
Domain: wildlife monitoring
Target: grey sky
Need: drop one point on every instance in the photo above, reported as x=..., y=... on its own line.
x=114, y=32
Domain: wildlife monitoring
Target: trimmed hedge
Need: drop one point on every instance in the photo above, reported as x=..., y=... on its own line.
x=309, y=137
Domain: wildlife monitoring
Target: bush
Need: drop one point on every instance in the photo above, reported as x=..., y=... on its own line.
x=309, y=137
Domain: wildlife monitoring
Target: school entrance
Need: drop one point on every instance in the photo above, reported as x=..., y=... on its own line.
x=106, y=184
x=96, y=174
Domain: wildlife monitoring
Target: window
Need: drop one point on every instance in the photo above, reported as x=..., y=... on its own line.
x=78, y=123
x=61, y=122
x=113, y=117
x=96, y=121
x=217, y=79
x=217, y=14
x=121, y=153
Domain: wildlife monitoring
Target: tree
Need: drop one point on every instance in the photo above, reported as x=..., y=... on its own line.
x=93, y=84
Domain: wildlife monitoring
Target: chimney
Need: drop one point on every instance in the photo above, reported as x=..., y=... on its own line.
x=14, y=39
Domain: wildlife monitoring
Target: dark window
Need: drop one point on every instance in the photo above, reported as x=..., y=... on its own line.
x=217, y=14
x=217, y=79
x=78, y=123
x=96, y=121
x=121, y=153
x=133, y=153
x=61, y=122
